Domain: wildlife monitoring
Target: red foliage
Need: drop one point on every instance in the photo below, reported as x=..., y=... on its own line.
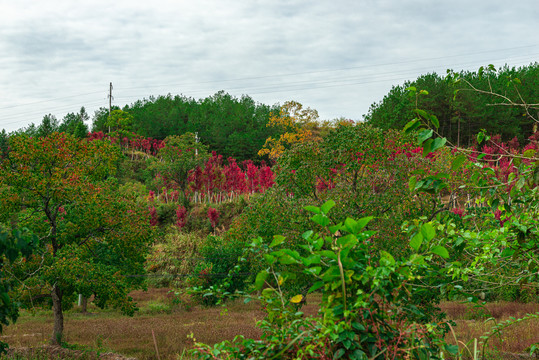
x=153, y=216
x=181, y=214
x=213, y=215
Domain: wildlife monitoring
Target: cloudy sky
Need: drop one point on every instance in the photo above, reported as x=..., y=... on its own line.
x=334, y=56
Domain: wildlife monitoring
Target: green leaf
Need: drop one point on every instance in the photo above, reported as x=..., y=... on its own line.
x=386, y=259
x=458, y=161
x=361, y=223
x=411, y=88
x=424, y=135
x=421, y=113
x=529, y=153
x=339, y=354
x=423, y=92
x=347, y=241
x=287, y=260
x=277, y=240
x=313, y=259
x=441, y=251
x=313, y=209
x=327, y=206
x=261, y=279
x=434, y=121
x=270, y=259
x=427, y=147
x=411, y=126
x=307, y=234
x=317, y=285
x=438, y=143
x=427, y=230
x=329, y=254
x=321, y=219
x=416, y=241
x=411, y=183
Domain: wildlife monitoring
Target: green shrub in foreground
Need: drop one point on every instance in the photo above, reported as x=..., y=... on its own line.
x=369, y=310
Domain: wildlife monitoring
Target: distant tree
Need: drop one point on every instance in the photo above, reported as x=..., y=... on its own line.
x=100, y=118
x=120, y=120
x=48, y=125
x=74, y=124
x=91, y=233
x=294, y=124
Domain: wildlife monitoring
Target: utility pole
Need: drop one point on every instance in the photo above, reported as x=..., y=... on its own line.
x=110, y=103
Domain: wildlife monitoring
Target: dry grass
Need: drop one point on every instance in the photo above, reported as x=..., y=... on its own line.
x=474, y=322
x=132, y=336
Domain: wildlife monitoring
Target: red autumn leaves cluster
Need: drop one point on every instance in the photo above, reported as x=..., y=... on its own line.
x=131, y=142
x=216, y=178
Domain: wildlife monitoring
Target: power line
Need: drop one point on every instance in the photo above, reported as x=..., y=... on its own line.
x=294, y=74
x=276, y=87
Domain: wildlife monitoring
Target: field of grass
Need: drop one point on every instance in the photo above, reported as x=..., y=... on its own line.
x=108, y=331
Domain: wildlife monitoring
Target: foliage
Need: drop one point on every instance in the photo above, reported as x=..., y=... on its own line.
x=179, y=155
x=12, y=245
x=172, y=260
x=120, y=121
x=91, y=233
x=369, y=310
x=74, y=124
x=233, y=127
x=294, y=124
x=463, y=111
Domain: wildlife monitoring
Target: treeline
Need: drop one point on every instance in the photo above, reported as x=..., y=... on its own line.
x=463, y=111
x=233, y=127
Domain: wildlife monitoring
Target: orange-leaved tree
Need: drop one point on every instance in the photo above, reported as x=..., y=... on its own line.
x=295, y=125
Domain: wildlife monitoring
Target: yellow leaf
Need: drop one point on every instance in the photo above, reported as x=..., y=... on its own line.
x=296, y=299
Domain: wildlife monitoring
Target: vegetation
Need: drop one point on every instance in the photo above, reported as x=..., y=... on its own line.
x=384, y=224
x=480, y=100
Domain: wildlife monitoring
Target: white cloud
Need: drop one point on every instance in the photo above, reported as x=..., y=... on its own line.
x=54, y=51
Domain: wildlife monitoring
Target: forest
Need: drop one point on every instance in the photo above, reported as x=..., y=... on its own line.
x=411, y=234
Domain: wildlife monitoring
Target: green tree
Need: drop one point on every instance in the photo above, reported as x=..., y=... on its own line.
x=48, y=125
x=100, y=119
x=74, y=124
x=91, y=233
x=120, y=121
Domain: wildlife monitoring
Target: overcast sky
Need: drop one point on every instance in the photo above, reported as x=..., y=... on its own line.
x=334, y=56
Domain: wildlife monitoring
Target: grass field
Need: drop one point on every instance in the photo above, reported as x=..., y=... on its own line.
x=108, y=331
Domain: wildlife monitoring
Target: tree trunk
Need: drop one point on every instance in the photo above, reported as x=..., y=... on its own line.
x=58, y=329
x=84, y=305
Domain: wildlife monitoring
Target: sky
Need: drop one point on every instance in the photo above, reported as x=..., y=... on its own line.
x=337, y=57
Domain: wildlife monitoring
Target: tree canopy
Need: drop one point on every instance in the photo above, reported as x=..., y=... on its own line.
x=92, y=235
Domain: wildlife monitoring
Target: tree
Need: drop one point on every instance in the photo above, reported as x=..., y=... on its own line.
x=49, y=124
x=120, y=121
x=295, y=125
x=75, y=123
x=91, y=233
x=100, y=118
